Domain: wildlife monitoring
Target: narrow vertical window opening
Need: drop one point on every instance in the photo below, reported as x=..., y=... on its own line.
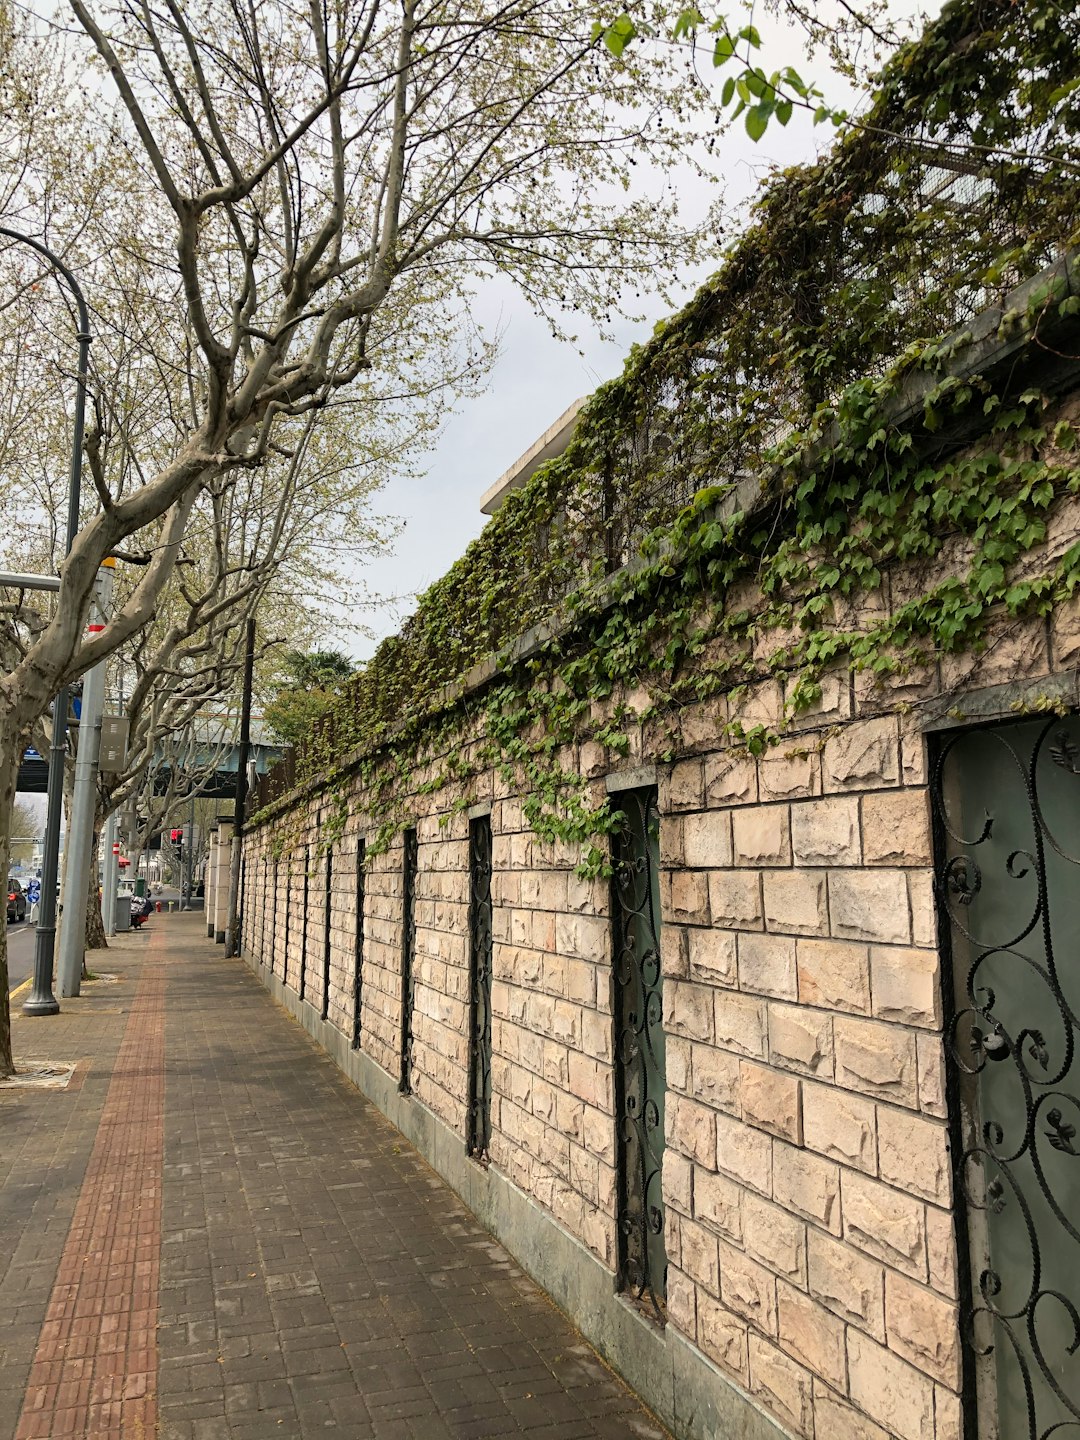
x=478, y=1136
x=408, y=948
x=358, y=947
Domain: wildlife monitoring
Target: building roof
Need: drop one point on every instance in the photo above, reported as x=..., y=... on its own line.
x=552, y=442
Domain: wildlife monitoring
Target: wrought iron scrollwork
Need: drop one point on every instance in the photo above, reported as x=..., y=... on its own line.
x=304, y=921
x=328, y=905
x=1010, y=889
x=480, y=958
x=358, y=947
x=639, y=1050
x=408, y=953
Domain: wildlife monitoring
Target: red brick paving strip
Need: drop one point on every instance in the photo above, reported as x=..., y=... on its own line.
x=94, y=1373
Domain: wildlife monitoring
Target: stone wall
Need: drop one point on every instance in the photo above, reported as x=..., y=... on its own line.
x=813, y=1283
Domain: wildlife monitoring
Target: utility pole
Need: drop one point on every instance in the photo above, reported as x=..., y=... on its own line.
x=185, y=900
x=81, y=828
x=232, y=922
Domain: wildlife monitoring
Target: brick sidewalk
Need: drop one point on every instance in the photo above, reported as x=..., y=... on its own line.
x=315, y=1274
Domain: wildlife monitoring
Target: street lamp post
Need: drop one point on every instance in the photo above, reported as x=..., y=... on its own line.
x=41, y=1000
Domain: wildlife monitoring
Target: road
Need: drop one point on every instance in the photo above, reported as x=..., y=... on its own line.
x=20, y=942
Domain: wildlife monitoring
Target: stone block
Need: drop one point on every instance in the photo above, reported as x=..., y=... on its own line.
x=744, y=1153
x=761, y=835
x=712, y=955
x=864, y=755
x=870, y=905
x=688, y=1010
x=913, y=1153
x=889, y=1390
x=896, y=828
x=674, y=959
x=836, y=1420
x=782, y=1386
x=885, y=1223
x=718, y=1203
x=767, y=965
x=790, y=775
x=735, y=899
x=740, y=1022
x=923, y=1327
x=774, y=1237
x=707, y=839
x=906, y=985
x=770, y=1100
x=795, y=902
x=826, y=832
x=941, y=1252
x=812, y=1334
x=730, y=778
x=714, y=1077
x=699, y=1255
x=849, y=1283
x=841, y=1126
x=721, y=1335
x=678, y=1183
x=685, y=787
x=801, y=1039
x=931, y=1063
x=834, y=973
x=691, y=1129
x=687, y=893
x=876, y=1058
x=807, y=1185
x=677, y=1064
x=747, y=1288
x=923, y=908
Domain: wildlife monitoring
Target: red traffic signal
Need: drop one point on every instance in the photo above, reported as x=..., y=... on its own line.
x=176, y=836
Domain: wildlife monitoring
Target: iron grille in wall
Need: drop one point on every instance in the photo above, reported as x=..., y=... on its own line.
x=327, y=918
x=408, y=953
x=304, y=921
x=1007, y=822
x=358, y=947
x=478, y=1137
x=639, y=1050
x=288, y=920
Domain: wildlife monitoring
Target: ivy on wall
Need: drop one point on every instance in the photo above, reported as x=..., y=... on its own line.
x=788, y=364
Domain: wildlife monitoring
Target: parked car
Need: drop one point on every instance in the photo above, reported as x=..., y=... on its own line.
x=16, y=900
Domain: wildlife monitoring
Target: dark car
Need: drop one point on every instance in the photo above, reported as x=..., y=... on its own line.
x=16, y=900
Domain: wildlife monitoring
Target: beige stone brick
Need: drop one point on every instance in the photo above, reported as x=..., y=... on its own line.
x=722, y=1336
x=923, y=1328
x=876, y=1058
x=826, y=832
x=740, y=1023
x=682, y=1302
x=869, y=905
x=761, y=835
x=691, y=1128
x=795, y=902
x=674, y=953
x=699, y=1255
x=747, y=1288
x=834, y=1419
x=713, y=1078
x=718, y=1203
x=890, y=1390
x=834, y=973
x=811, y=1333
x=687, y=894
x=948, y=1414
x=905, y=985
x=931, y=1063
x=896, y=828
x=885, y=1223
x=801, y=1039
x=585, y=937
x=707, y=839
x=767, y=965
x=941, y=1251
x=849, y=1283
x=678, y=1182
x=840, y=1125
x=913, y=1153
x=712, y=955
x=685, y=787
x=807, y=1185
x=688, y=1010
x=735, y=899
x=730, y=778
x=677, y=1063
x=782, y=1385
x=862, y=756
x=770, y=1100
x=923, y=910
x=788, y=775
x=774, y=1237
x=744, y=1153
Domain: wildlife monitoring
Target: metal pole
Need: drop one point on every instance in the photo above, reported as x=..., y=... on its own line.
x=232, y=922
x=110, y=875
x=41, y=1000
x=185, y=902
x=81, y=828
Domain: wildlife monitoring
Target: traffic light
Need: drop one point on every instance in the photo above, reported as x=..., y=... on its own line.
x=176, y=836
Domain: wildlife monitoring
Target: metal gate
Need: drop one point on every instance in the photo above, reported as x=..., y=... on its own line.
x=639, y=1049
x=1007, y=811
x=408, y=953
x=358, y=947
x=478, y=1137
